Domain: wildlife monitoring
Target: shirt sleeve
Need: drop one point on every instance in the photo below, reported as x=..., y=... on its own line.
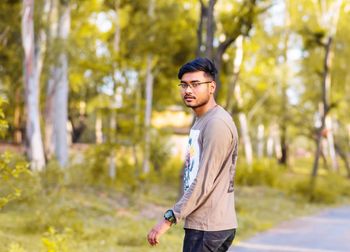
x=217, y=141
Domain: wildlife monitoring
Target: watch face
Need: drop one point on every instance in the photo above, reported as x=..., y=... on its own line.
x=169, y=215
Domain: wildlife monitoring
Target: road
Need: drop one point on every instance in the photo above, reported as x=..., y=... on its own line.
x=328, y=231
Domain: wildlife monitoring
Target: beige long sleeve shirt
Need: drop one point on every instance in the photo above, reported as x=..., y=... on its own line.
x=208, y=200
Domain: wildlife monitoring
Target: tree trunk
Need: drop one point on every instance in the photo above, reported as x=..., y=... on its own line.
x=270, y=142
x=331, y=27
x=237, y=63
x=98, y=128
x=242, y=116
x=116, y=42
x=31, y=80
x=50, y=89
x=210, y=30
x=344, y=157
x=49, y=115
x=246, y=138
x=276, y=140
x=284, y=145
x=260, y=145
x=61, y=113
x=57, y=89
x=202, y=21
x=284, y=101
x=325, y=104
x=148, y=115
x=330, y=142
x=149, y=99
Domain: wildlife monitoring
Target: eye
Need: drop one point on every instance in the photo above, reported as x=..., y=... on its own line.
x=195, y=84
x=184, y=85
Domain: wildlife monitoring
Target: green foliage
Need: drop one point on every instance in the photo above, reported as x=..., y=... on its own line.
x=11, y=174
x=326, y=189
x=160, y=150
x=12, y=170
x=171, y=171
x=320, y=193
x=93, y=166
x=3, y=122
x=264, y=172
x=15, y=247
x=56, y=242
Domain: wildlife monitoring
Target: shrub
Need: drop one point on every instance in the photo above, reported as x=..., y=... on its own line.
x=15, y=247
x=262, y=172
x=14, y=175
x=160, y=150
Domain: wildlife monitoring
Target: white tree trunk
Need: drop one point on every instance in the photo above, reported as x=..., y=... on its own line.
x=50, y=89
x=61, y=112
x=57, y=90
x=260, y=145
x=31, y=80
x=148, y=115
x=330, y=141
x=98, y=128
x=149, y=99
x=112, y=171
x=237, y=63
x=270, y=143
x=277, y=141
x=248, y=151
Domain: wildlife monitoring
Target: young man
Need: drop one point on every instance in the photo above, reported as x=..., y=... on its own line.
x=207, y=205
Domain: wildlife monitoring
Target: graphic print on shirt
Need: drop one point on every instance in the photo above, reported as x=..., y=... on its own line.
x=192, y=159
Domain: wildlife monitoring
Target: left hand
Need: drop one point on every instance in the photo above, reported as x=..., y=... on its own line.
x=157, y=231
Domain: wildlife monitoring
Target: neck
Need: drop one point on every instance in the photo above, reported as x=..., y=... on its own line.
x=199, y=111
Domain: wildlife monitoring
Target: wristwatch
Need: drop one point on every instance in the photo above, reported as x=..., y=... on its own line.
x=170, y=216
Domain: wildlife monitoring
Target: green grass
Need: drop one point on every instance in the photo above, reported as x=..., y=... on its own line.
x=91, y=219
x=54, y=214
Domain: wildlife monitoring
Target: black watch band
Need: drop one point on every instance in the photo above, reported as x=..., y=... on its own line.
x=170, y=216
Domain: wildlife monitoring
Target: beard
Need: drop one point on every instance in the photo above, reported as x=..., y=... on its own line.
x=196, y=105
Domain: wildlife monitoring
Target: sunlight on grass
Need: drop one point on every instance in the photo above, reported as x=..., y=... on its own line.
x=60, y=217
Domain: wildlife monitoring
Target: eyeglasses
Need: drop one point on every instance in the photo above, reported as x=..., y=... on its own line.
x=192, y=85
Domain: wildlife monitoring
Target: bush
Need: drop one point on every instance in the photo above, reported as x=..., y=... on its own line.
x=323, y=190
x=262, y=172
x=319, y=193
x=13, y=174
x=160, y=150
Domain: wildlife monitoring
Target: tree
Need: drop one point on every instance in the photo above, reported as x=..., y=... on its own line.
x=57, y=87
x=235, y=22
x=330, y=27
x=11, y=55
x=32, y=70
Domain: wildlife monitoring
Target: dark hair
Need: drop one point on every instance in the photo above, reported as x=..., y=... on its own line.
x=199, y=64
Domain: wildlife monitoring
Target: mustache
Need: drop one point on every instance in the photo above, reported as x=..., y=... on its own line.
x=189, y=96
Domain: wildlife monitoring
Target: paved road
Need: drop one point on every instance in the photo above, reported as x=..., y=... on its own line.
x=328, y=231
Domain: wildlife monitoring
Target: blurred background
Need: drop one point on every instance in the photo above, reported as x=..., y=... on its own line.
x=93, y=129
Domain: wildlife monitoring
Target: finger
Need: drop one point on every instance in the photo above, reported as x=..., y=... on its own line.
x=152, y=238
x=149, y=238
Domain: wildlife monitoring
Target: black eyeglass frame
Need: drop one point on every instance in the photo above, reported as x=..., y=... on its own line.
x=192, y=85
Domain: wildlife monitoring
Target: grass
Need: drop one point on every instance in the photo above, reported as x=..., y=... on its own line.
x=95, y=219
x=55, y=216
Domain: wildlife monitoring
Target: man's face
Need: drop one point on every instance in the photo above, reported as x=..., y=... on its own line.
x=197, y=89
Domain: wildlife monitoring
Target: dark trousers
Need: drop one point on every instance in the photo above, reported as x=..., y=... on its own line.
x=208, y=241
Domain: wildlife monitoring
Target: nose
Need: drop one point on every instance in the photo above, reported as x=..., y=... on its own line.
x=188, y=89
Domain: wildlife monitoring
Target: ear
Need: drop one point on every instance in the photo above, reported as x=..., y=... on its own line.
x=212, y=87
